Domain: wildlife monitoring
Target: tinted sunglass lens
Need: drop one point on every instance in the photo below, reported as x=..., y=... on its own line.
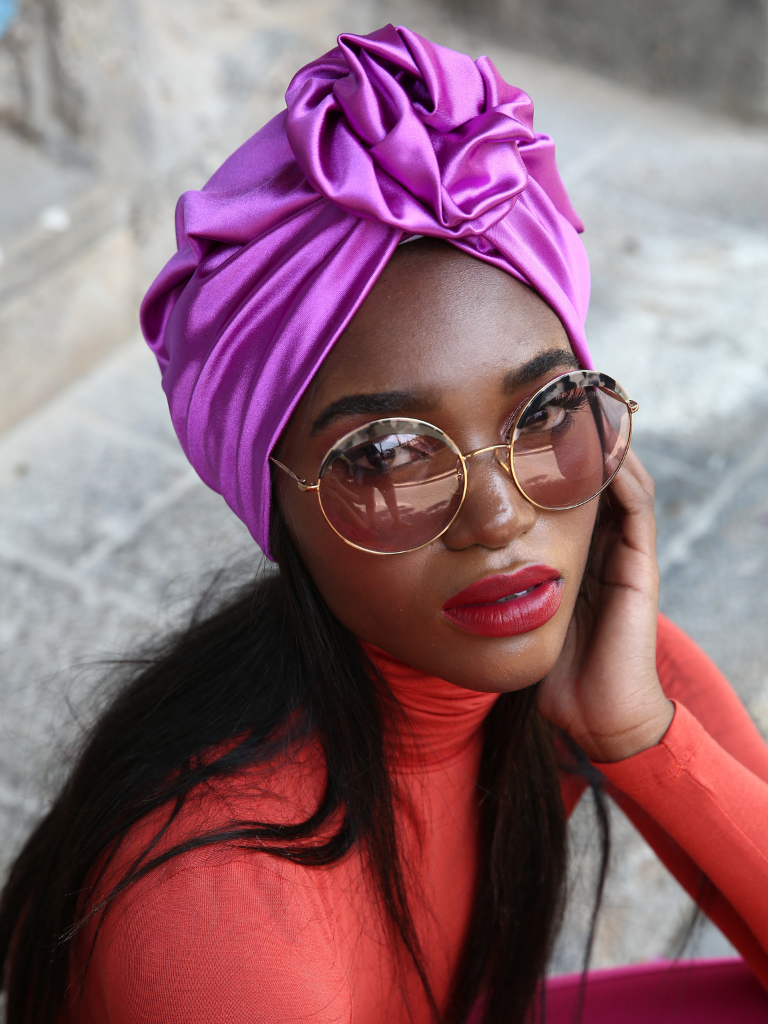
x=569, y=448
x=392, y=493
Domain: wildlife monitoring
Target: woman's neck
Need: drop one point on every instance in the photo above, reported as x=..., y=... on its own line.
x=442, y=719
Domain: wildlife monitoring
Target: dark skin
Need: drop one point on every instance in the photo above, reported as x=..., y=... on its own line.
x=449, y=339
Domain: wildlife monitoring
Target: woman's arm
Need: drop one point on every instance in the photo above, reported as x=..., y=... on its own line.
x=691, y=774
x=217, y=937
x=700, y=796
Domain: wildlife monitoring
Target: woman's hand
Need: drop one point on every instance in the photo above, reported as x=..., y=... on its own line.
x=603, y=690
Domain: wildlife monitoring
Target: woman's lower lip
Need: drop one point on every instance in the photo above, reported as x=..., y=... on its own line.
x=510, y=617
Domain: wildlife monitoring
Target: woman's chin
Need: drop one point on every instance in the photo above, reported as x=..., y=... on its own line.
x=487, y=664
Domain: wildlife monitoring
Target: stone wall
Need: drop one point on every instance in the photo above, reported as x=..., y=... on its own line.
x=124, y=83
x=711, y=52
x=108, y=110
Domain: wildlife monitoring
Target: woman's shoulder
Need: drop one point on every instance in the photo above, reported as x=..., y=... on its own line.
x=223, y=926
x=221, y=934
x=689, y=676
x=686, y=673
x=207, y=827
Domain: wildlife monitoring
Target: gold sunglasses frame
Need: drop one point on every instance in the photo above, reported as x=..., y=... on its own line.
x=565, y=382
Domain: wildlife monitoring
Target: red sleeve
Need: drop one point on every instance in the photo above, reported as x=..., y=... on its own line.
x=242, y=940
x=700, y=796
x=690, y=677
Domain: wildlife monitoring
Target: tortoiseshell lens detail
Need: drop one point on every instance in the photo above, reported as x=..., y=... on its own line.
x=570, y=439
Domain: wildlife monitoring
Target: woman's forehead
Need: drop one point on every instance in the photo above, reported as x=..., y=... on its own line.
x=439, y=320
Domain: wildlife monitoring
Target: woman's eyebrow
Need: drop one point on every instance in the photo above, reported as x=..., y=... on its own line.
x=545, y=362
x=384, y=402
x=375, y=404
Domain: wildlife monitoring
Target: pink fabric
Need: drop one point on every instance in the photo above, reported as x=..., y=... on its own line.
x=385, y=136
x=682, y=992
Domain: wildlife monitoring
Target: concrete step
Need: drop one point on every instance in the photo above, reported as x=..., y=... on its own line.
x=68, y=275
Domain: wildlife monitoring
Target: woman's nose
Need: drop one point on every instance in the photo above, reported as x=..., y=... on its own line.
x=494, y=512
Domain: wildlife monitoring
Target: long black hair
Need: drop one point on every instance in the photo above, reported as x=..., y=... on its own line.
x=273, y=664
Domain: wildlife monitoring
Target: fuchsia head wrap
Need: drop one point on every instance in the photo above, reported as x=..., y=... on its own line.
x=386, y=136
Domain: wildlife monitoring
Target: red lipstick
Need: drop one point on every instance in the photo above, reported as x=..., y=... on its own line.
x=507, y=605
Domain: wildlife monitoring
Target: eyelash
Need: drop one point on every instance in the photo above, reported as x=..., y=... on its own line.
x=509, y=423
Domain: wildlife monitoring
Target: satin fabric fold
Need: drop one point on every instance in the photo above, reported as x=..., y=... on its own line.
x=386, y=136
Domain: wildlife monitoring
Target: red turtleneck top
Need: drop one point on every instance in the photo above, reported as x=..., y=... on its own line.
x=234, y=935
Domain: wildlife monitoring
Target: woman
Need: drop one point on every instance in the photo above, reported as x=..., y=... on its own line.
x=342, y=797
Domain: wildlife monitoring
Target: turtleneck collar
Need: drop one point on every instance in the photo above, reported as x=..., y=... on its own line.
x=444, y=719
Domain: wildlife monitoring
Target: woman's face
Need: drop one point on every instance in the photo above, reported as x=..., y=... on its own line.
x=445, y=338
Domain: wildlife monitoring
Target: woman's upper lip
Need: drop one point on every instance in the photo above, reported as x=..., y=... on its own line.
x=494, y=588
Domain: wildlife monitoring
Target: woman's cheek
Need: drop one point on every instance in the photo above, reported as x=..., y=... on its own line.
x=570, y=535
x=375, y=597
x=395, y=602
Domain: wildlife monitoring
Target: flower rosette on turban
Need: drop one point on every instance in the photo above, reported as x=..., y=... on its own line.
x=386, y=136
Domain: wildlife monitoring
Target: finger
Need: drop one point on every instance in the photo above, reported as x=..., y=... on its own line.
x=632, y=492
x=638, y=522
x=634, y=467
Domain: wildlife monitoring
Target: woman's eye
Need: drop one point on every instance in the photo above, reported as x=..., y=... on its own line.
x=556, y=414
x=547, y=418
x=371, y=457
x=390, y=453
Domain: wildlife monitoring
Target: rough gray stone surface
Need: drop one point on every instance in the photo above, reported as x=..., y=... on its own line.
x=109, y=109
x=107, y=538
x=712, y=52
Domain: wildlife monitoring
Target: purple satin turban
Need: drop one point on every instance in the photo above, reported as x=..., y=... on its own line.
x=386, y=136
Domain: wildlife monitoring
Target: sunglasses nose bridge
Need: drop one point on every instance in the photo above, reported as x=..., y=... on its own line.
x=498, y=448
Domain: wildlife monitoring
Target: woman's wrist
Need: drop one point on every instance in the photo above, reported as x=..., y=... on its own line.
x=647, y=732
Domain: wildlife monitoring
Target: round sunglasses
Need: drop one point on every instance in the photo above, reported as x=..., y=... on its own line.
x=397, y=484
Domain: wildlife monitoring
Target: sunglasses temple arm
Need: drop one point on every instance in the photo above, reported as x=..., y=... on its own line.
x=303, y=485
